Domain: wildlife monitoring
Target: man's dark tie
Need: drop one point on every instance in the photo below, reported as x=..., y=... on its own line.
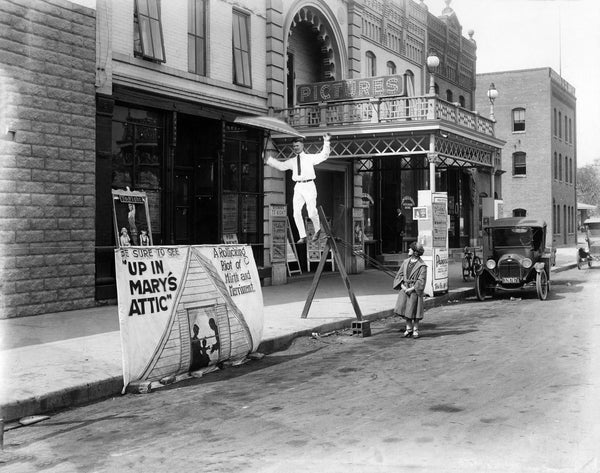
x=298, y=164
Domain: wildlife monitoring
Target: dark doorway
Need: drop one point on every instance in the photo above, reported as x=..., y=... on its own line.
x=195, y=191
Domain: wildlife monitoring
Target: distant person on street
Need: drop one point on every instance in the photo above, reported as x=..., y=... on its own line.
x=305, y=191
x=400, y=228
x=410, y=281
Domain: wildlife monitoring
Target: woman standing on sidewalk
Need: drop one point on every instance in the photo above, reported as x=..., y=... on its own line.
x=410, y=281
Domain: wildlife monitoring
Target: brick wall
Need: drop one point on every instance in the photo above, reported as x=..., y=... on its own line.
x=47, y=157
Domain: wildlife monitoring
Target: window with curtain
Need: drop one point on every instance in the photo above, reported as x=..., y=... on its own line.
x=518, y=119
x=370, y=65
x=519, y=164
x=197, y=37
x=241, y=49
x=391, y=68
x=409, y=83
x=147, y=30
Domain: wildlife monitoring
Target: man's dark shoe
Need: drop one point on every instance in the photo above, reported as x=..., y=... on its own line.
x=301, y=241
x=316, y=236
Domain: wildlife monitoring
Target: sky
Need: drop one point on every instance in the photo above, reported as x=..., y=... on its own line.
x=524, y=34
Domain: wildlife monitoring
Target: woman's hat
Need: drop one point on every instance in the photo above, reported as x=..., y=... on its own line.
x=417, y=248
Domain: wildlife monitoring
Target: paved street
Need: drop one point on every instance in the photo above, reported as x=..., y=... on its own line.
x=505, y=385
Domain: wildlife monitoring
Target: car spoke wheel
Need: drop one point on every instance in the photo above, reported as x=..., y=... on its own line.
x=479, y=288
x=541, y=284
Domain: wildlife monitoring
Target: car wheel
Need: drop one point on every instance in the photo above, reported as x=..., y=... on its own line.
x=542, y=286
x=479, y=288
x=579, y=263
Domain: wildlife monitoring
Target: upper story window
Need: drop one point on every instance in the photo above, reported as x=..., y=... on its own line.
x=560, y=125
x=555, y=165
x=554, y=124
x=241, y=49
x=570, y=131
x=147, y=31
x=519, y=212
x=519, y=164
x=560, y=167
x=518, y=119
x=197, y=36
x=449, y=96
x=566, y=129
x=371, y=66
x=461, y=100
x=391, y=68
x=409, y=83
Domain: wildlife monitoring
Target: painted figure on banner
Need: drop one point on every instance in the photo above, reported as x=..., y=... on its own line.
x=200, y=358
x=124, y=238
x=144, y=238
x=132, y=225
x=305, y=191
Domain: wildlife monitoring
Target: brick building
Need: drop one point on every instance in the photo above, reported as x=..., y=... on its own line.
x=536, y=116
x=145, y=94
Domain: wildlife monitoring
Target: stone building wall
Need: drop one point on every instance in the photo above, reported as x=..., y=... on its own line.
x=47, y=156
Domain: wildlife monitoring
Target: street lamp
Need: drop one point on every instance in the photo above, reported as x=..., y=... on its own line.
x=492, y=94
x=432, y=64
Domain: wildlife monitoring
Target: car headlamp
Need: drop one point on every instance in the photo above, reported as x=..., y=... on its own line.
x=527, y=263
x=490, y=264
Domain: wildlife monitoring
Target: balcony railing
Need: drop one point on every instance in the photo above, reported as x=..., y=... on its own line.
x=385, y=110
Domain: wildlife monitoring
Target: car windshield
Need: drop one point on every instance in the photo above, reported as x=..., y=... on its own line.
x=594, y=229
x=515, y=236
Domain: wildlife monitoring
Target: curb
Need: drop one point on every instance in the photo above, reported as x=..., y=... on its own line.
x=103, y=389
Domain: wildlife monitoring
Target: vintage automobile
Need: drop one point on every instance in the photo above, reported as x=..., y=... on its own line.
x=592, y=237
x=515, y=257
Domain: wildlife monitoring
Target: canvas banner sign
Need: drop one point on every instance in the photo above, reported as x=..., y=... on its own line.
x=185, y=308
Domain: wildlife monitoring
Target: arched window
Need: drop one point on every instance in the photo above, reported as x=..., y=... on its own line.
x=461, y=101
x=449, y=96
x=391, y=68
x=518, y=119
x=519, y=213
x=370, y=66
x=519, y=164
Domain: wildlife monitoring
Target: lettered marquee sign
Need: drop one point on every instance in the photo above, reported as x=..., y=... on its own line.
x=368, y=87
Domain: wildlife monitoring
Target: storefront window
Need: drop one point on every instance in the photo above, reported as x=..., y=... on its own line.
x=242, y=188
x=137, y=156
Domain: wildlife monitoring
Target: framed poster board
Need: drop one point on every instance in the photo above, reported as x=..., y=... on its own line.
x=131, y=218
x=420, y=213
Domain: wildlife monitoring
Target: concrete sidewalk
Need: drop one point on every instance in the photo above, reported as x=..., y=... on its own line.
x=60, y=360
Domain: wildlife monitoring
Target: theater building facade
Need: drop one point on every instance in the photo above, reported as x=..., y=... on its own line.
x=172, y=78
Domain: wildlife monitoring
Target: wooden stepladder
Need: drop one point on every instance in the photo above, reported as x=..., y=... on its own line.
x=291, y=252
x=331, y=245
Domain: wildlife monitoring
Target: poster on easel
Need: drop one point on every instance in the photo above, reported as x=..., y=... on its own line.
x=314, y=249
x=131, y=218
x=278, y=221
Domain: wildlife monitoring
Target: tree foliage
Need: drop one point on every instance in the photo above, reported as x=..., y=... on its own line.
x=588, y=184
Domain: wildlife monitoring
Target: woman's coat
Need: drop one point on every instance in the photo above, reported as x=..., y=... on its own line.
x=411, y=306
